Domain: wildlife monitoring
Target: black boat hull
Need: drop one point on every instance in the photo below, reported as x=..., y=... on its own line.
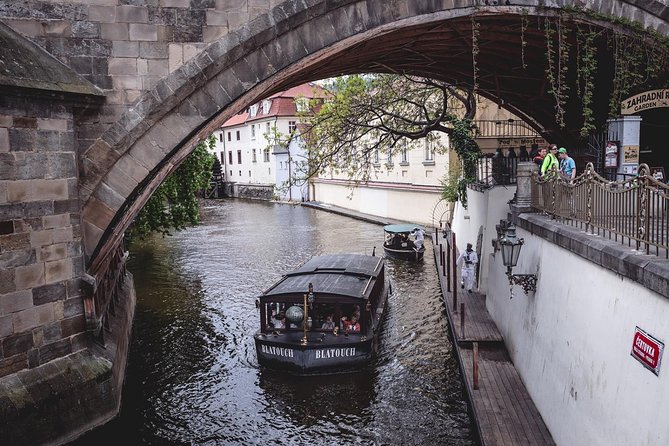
x=410, y=254
x=333, y=355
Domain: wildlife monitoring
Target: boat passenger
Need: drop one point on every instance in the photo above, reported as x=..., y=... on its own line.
x=279, y=321
x=328, y=324
x=352, y=325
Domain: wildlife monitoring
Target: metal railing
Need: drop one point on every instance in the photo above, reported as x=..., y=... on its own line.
x=101, y=298
x=634, y=211
x=492, y=171
x=504, y=129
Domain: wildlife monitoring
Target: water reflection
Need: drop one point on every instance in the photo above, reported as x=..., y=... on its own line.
x=193, y=376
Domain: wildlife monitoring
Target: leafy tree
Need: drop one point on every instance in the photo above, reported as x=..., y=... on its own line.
x=174, y=205
x=368, y=116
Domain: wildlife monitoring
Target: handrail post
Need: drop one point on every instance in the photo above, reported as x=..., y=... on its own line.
x=455, y=276
x=475, y=365
x=462, y=320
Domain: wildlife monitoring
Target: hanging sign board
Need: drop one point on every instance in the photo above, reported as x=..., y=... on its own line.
x=647, y=350
x=505, y=143
x=645, y=101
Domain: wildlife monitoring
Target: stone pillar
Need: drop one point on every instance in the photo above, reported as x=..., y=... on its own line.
x=524, y=185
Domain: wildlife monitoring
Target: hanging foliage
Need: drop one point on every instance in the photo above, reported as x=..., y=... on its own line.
x=174, y=205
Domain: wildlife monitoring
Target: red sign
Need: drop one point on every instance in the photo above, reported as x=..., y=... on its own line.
x=647, y=350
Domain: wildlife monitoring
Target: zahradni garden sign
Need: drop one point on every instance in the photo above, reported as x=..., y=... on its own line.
x=645, y=101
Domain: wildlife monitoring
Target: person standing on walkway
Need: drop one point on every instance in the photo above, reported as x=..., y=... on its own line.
x=469, y=259
x=567, y=166
x=551, y=162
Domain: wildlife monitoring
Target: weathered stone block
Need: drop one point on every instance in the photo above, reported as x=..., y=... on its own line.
x=73, y=325
x=21, y=140
x=26, y=320
x=175, y=3
x=7, y=283
x=115, y=31
x=29, y=276
x=52, y=252
x=54, y=350
x=12, y=364
x=146, y=33
x=48, y=294
x=58, y=125
x=150, y=50
x=73, y=307
x=105, y=14
x=14, y=242
x=15, y=302
x=4, y=140
x=6, y=327
x=56, y=221
x=123, y=65
x=132, y=14
x=16, y=344
x=19, y=191
x=61, y=235
x=41, y=238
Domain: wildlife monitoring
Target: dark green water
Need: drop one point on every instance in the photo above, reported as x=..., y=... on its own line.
x=193, y=377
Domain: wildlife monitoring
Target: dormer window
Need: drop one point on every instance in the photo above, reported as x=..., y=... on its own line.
x=302, y=104
x=253, y=110
x=266, y=105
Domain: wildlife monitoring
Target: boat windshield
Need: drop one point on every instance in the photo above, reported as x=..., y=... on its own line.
x=280, y=316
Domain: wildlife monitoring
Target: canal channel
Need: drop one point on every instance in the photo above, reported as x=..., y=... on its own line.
x=192, y=374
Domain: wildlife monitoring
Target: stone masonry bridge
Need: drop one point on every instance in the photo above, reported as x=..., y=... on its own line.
x=102, y=99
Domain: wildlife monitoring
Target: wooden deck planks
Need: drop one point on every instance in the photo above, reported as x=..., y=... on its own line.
x=505, y=413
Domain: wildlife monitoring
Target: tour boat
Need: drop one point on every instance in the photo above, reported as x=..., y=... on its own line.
x=344, y=297
x=399, y=244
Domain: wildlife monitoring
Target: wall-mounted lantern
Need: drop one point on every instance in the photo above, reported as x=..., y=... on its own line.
x=510, y=246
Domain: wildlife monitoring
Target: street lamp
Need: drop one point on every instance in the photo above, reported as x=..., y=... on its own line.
x=510, y=247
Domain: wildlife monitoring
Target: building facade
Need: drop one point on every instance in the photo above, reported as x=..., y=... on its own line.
x=259, y=148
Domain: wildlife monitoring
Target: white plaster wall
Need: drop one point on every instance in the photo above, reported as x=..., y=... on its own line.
x=571, y=341
x=485, y=209
x=415, y=207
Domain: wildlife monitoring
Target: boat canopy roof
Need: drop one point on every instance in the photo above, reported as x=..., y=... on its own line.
x=347, y=275
x=407, y=227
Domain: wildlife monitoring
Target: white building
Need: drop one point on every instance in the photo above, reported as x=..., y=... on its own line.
x=247, y=149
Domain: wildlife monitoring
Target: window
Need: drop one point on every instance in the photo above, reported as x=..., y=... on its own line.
x=222, y=158
x=265, y=154
x=240, y=174
x=239, y=157
x=390, y=157
x=255, y=160
x=253, y=110
x=375, y=157
x=266, y=105
x=268, y=128
x=231, y=173
x=302, y=104
x=405, y=156
x=253, y=131
x=229, y=136
x=238, y=135
x=292, y=127
x=230, y=158
x=249, y=174
x=429, y=151
x=220, y=137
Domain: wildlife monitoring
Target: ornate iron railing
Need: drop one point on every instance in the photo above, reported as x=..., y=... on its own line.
x=492, y=171
x=634, y=211
x=102, y=293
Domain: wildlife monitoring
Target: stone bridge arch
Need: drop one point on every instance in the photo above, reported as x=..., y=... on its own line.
x=298, y=41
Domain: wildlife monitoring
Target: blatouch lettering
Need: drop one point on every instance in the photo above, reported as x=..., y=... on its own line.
x=277, y=351
x=326, y=353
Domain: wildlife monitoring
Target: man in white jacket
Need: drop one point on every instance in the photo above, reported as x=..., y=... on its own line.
x=469, y=259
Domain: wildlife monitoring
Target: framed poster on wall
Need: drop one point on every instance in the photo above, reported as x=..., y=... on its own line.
x=658, y=173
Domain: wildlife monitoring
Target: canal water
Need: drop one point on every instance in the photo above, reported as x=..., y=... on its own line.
x=193, y=376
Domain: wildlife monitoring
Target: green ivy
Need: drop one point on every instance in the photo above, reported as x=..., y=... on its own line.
x=174, y=205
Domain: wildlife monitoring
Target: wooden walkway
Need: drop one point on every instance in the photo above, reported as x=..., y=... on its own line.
x=503, y=411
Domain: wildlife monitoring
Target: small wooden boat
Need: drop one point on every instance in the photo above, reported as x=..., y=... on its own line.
x=399, y=244
x=344, y=298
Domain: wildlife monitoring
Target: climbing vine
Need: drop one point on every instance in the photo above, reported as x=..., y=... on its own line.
x=476, y=28
x=523, y=42
x=587, y=67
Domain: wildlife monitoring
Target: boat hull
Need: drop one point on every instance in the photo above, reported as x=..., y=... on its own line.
x=405, y=254
x=333, y=354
